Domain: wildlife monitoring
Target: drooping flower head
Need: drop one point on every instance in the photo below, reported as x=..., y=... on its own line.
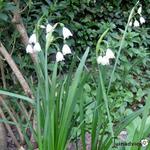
x=109, y=54
x=29, y=48
x=48, y=28
x=142, y=20
x=33, y=48
x=37, y=47
x=66, y=32
x=136, y=23
x=66, y=49
x=59, y=57
x=32, y=39
x=139, y=10
x=33, y=45
x=102, y=60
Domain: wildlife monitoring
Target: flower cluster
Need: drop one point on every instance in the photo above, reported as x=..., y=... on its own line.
x=65, y=49
x=141, y=21
x=33, y=45
x=104, y=60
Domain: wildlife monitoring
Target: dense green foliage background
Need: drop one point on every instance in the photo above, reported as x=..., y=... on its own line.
x=88, y=19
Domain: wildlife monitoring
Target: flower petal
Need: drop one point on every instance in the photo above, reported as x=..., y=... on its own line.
x=136, y=23
x=102, y=60
x=59, y=57
x=48, y=28
x=139, y=10
x=109, y=54
x=105, y=61
x=37, y=47
x=66, y=49
x=142, y=20
x=29, y=48
x=66, y=32
x=32, y=39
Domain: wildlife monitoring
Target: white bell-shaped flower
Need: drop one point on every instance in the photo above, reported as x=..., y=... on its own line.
x=29, y=48
x=102, y=60
x=109, y=54
x=37, y=47
x=105, y=60
x=48, y=28
x=66, y=32
x=33, y=38
x=99, y=59
x=136, y=23
x=142, y=20
x=66, y=49
x=139, y=10
x=59, y=57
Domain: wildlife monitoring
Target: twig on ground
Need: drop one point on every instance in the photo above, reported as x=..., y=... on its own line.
x=12, y=115
x=2, y=73
x=9, y=129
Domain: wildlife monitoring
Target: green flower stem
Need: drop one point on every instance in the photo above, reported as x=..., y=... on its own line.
x=121, y=45
x=100, y=41
x=106, y=102
x=46, y=77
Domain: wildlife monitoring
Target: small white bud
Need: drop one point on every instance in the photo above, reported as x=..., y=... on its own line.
x=136, y=23
x=66, y=32
x=59, y=57
x=139, y=10
x=142, y=20
x=48, y=28
x=130, y=23
x=37, y=47
x=29, y=49
x=32, y=38
x=109, y=54
x=42, y=26
x=66, y=49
